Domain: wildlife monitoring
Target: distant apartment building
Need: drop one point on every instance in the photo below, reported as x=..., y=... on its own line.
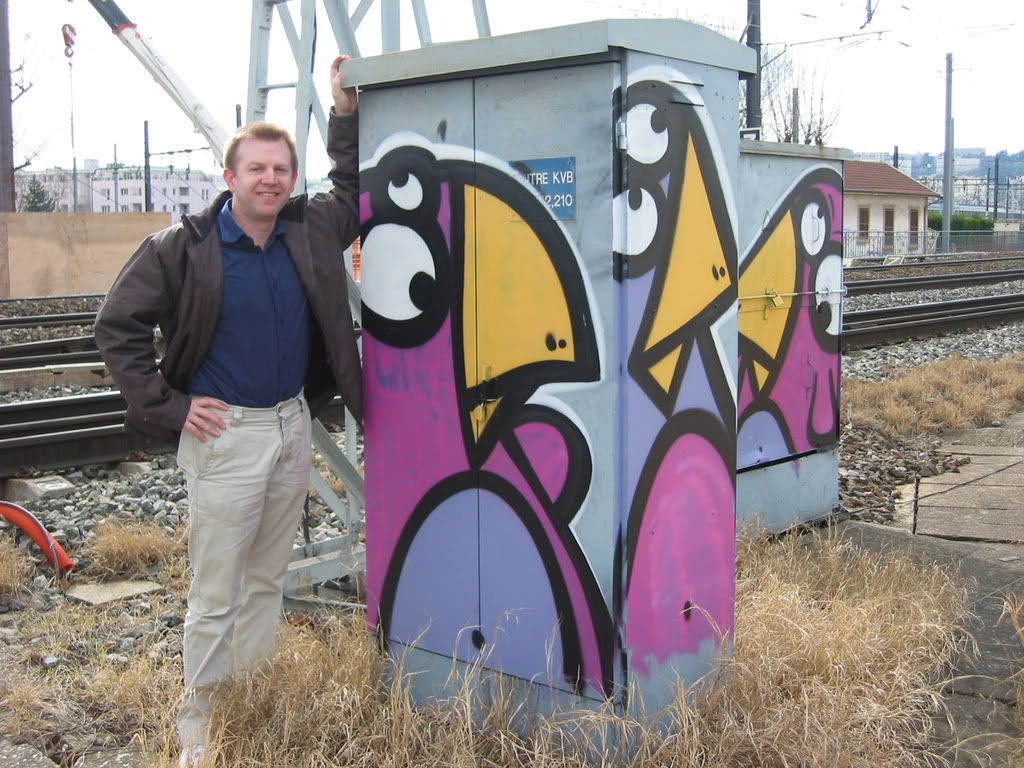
x=906, y=165
x=121, y=189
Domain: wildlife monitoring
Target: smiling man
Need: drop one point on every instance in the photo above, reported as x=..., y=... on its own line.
x=251, y=299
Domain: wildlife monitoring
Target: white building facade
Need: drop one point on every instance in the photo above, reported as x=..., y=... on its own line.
x=122, y=189
x=885, y=212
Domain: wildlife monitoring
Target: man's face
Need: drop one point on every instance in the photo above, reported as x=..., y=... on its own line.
x=261, y=181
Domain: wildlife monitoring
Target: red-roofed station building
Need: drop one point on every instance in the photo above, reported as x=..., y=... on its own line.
x=884, y=211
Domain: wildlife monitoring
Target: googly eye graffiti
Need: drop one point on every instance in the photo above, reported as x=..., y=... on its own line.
x=545, y=500
x=475, y=297
x=790, y=286
x=677, y=247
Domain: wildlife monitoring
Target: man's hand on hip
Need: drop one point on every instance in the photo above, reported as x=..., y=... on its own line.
x=202, y=419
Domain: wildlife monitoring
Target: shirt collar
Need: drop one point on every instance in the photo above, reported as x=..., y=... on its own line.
x=229, y=230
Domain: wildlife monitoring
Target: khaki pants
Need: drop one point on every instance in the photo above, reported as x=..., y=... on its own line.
x=246, y=490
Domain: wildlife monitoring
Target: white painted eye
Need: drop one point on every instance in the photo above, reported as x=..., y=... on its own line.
x=645, y=144
x=828, y=283
x=641, y=224
x=812, y=229
x=408, y=196
x=398, y=272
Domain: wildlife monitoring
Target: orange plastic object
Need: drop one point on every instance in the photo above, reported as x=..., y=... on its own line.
x=27, y=522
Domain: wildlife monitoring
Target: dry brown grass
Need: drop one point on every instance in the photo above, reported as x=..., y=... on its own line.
x=34, y=709
x=132, y=550
x=1013, y=610
x=15, y=570
x=950, y=395
x=838, y=660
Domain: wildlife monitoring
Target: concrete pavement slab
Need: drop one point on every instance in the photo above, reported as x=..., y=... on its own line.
x=23, y=756
x=980, y=726
x=975, y=733
x=112, y=758
x=983, y=523
x=109, y=591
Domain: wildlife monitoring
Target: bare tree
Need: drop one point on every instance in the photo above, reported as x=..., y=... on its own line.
x=18, y=83
x=19, y=87
x=781, y=79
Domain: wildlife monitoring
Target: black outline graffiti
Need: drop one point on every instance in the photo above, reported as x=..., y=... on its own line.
x=684, y=126
x=562, y=510
x=422, y=220
x=572, y=657
x=807, y=191
x=514, y=387
x=693, y=421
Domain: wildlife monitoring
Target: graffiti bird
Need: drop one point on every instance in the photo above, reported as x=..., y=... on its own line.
x=789, y=340
x=474, y=298
x=677, y=251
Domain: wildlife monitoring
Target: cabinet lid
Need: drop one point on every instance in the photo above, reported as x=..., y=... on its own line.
x=551, y=47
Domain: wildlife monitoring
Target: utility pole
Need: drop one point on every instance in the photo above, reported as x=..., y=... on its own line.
x=947, y=166
x=117, y=207
x=147, y=184
x=754, y=83
x=6, y=132
x=988, y=186
x=995, y=216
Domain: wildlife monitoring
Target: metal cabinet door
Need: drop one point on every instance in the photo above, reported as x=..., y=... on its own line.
x=543, y=615
x=421, y=486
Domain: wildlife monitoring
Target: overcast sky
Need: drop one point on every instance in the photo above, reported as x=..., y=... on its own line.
x=886, y=78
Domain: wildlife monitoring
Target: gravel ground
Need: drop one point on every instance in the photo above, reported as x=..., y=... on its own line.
x=57, y=306
x=903, y=298
x=23, y=335
x=983, y=344
x=23, y=395
x=49, y=306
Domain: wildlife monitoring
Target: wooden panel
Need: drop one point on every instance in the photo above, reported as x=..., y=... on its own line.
x=61, y=254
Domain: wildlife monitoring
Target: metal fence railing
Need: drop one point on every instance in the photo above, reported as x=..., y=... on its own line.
x=880, y=245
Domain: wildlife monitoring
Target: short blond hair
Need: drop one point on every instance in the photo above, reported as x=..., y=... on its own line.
x=263, y=132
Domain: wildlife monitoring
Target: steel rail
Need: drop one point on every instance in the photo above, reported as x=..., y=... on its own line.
x=874, y=327
x=929, y=264
x=955, y=280
x=71, y=297
x=61, y=432
x=46, y=321
x=49, y=346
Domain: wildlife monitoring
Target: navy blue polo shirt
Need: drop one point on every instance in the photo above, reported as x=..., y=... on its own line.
x=260, y=348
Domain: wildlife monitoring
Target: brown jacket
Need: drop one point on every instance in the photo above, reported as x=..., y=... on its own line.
x=175, y=280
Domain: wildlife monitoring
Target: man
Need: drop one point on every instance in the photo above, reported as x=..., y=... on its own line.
x=251, y=298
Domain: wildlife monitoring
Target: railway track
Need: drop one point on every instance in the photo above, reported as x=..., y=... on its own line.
x=920, y=282
x=36, y=354
x=887, y=325
x=65, y=432
x=48, y=321
x=861, y=329
x=931, y=266
x=70, y=431
x=61, y=432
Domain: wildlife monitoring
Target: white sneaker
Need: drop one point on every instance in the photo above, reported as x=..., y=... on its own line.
x=191, y=756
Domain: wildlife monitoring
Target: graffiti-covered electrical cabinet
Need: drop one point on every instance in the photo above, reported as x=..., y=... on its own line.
x=790, y=290
x=549, y=279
